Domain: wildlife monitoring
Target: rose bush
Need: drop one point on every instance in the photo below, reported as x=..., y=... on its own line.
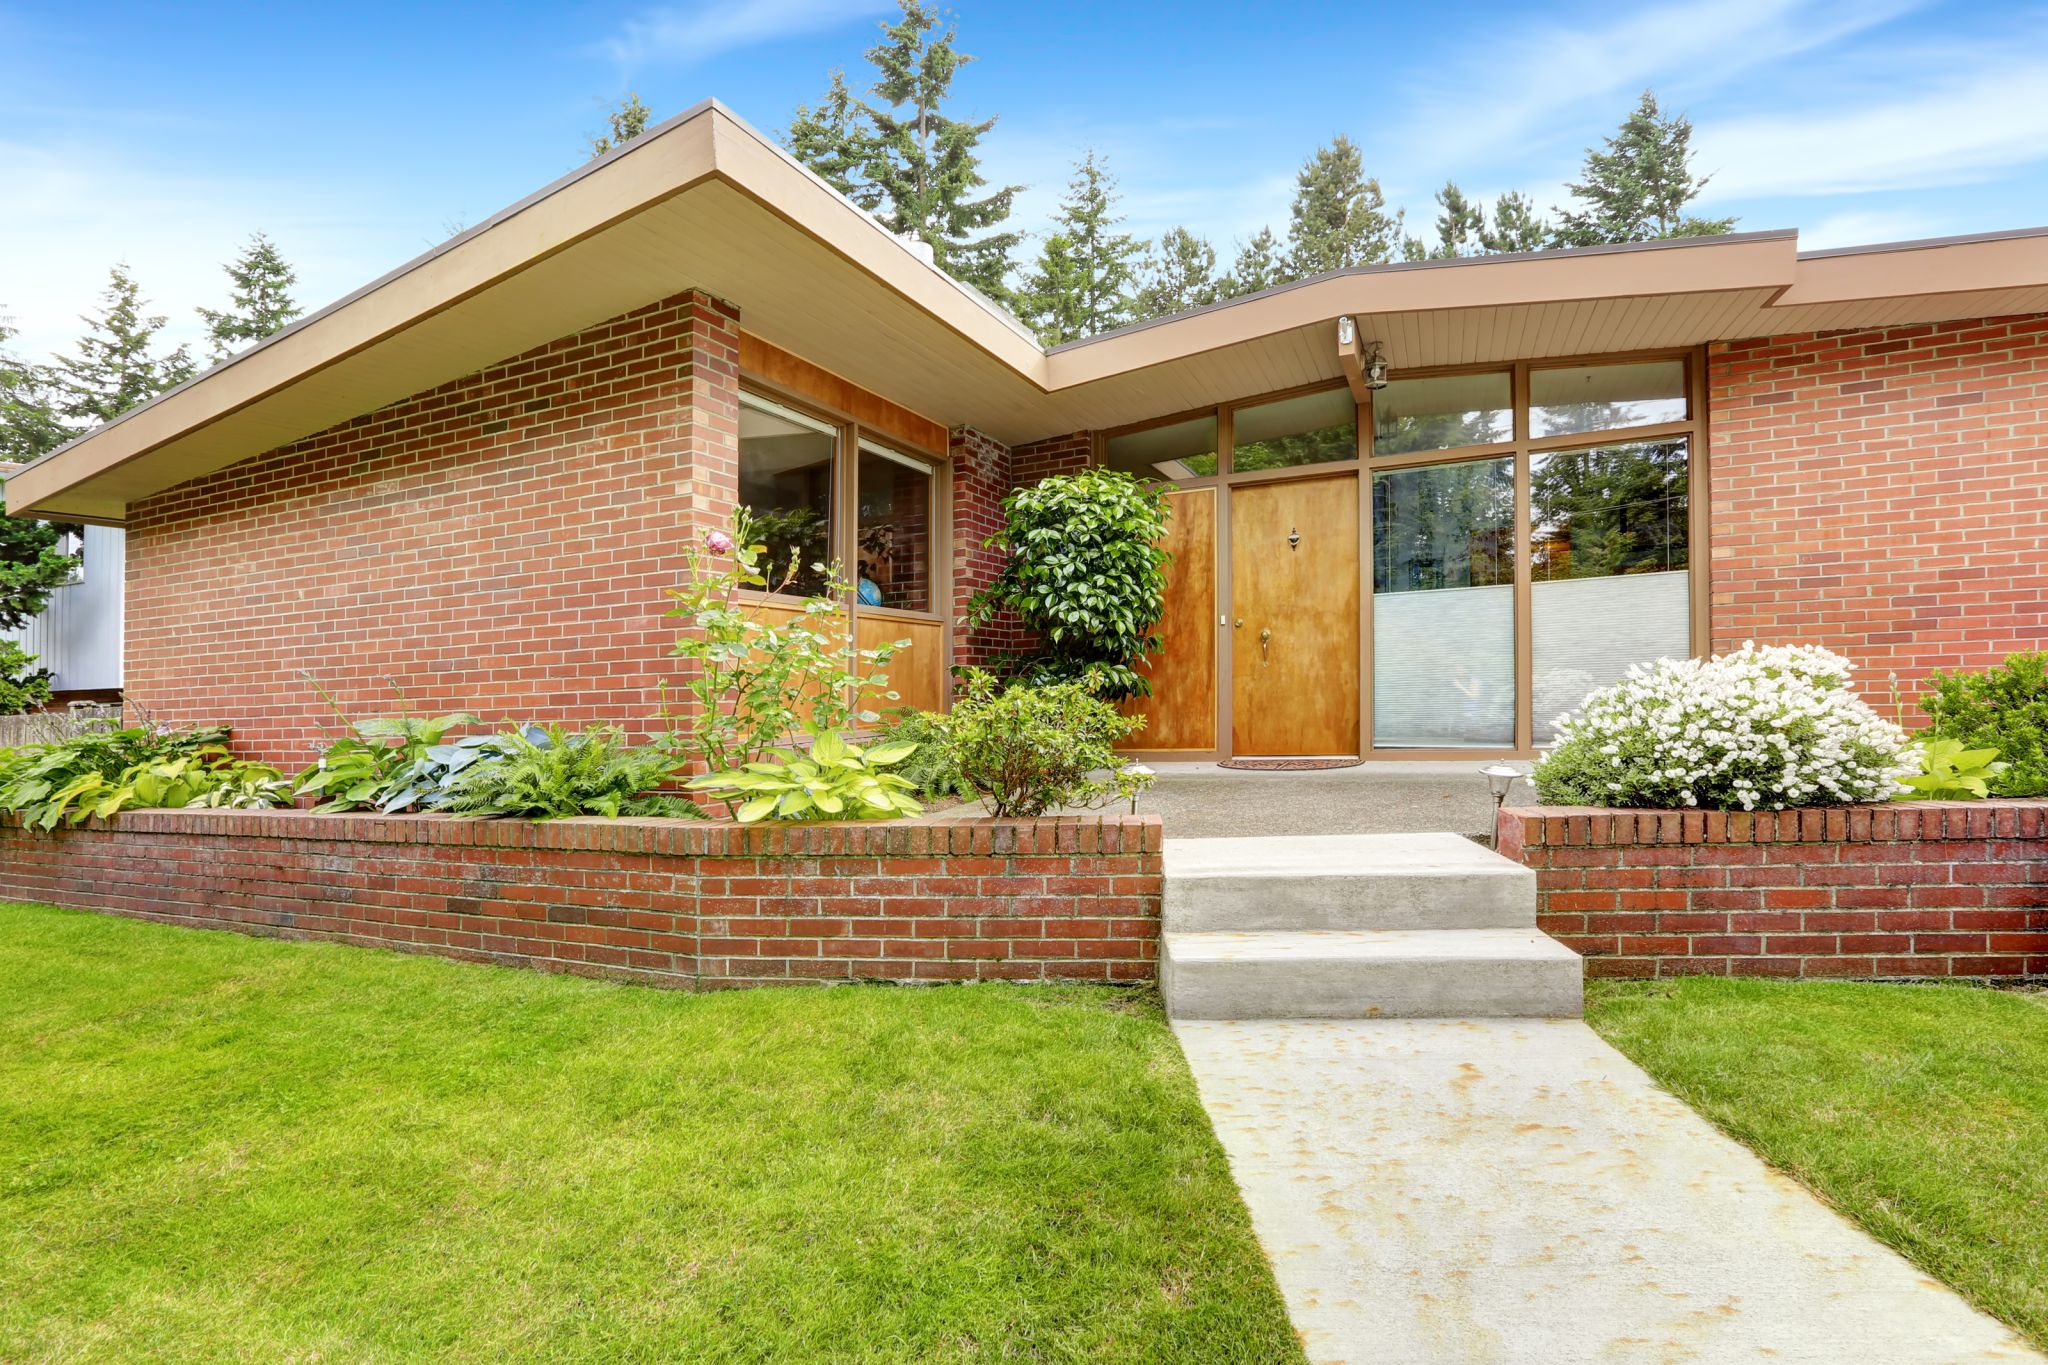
x=1760, y=728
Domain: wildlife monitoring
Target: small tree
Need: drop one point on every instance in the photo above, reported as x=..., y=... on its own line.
x=1516, y=226
x=1637, y=189
x=28, y=421
x=1081, y=284
x=1086, y=574
x=627, y=119
x=1258, y=266
x=260, y=284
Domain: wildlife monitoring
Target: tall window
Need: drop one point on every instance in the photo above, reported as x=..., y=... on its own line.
x=894, y=550
x=786, y=462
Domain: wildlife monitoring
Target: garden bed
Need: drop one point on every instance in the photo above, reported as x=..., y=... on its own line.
x=1907, y=889
x=672, y=902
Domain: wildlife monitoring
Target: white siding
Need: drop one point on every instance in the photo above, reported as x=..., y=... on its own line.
x=78, y=636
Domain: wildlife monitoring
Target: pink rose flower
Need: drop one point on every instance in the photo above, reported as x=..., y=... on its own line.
x=718, y=542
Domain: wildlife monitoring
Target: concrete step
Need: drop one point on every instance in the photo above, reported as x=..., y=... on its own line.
x=1369, y=974
x=1344, y=881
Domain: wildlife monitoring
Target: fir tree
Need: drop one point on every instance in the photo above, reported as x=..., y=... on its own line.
x=1258, y=266
x=114, y=368
x=1460, y=223
x=1339, y=218
x=924, y=164
x=260, y=289
x=1179, y=274
x=31, y=562
x=1516, y=226
x=1637, y=188
x=628, y=119
x=28, y=424
x=1081, y=284
x=836, y=140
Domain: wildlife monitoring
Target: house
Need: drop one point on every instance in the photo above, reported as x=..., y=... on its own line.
x=77, y=636
x=1419, y=509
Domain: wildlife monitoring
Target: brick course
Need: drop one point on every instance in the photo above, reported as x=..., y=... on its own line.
x=1924, y=888
x=672, y=903
x=501, y=543
x=1884, y=493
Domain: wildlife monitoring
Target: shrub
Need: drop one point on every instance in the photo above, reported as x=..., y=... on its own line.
x=541, y=773
x=136, y=768
x=933, y=767
x=2003, y=708
x=834, y=780
x=1760, y=727
x=757, y=676
x=1086, y=573
x=1946, y=771
x=23, y=687
x=1034, y=748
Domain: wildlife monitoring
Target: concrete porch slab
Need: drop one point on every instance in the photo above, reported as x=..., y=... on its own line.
x=1517, y=1190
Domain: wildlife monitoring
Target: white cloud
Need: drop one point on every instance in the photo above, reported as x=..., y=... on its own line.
x=680, y=34
x=1861, y=227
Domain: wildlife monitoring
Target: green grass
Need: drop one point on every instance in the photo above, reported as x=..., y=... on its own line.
x=1919, y=1111
x=214, y=1147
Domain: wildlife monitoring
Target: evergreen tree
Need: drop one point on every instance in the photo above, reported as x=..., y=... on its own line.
x=1258, y=266
x=260, y=290
x=1516, y=226
x=1082, y=282
x=1460, y=223
x=114, y=368
x=1339, y=218
x=628, y=119
x=1637, y=188
x=836, y=140
x=924, y=164
x=28, y=424
x=1179, y=274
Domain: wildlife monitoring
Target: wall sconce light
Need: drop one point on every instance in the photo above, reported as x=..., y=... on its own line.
x=1375, y=368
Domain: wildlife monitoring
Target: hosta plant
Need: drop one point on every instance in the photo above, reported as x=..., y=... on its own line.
x=1759, y=728
x=388, y=763
x=1950, y=772
x=832, y=780
x=545, y=773
x=207, y=776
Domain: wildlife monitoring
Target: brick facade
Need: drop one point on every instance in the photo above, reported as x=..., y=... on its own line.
x=666, y=902
x=1908, y=890
x=1883, y=493
x=501, y=543
x=981, y=478
x=1055, y=455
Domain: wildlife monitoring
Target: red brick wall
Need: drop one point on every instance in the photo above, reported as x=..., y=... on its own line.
x=501, y=543
x=1054, y=455
x=1916, y=889
x=1884, y=493
x=981, y=477
x=667, y=902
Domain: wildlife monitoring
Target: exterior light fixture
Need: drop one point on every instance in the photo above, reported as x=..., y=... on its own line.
x=1499, y=777
x=1375, y=368
x=1347, y=331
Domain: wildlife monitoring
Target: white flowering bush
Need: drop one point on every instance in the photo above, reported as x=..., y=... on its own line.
x=1761, y=728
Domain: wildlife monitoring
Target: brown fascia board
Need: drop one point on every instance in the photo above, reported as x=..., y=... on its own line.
x=1932, y=266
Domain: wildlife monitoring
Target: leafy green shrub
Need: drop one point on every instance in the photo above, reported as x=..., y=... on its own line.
x=1949, y=772
x=2004, y=709
x=1086, y=573
x=541, y=773
x=1034, y=748
x=754, y=675
x=137, y=768
x=835, y=780
x=1759, y=727
x=390, y=763
x=933, y=767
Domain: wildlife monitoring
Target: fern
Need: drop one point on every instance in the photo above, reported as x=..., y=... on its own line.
x=543, y=774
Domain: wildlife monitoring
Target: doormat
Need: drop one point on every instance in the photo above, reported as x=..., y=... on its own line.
x=1288, y=765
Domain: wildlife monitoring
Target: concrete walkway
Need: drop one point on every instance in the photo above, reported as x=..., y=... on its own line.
x=1517, y=1190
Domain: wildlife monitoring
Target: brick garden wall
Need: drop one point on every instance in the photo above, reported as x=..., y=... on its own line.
x=501, y=544
x=1913, y=889
x=667, y=902
x=1884, y=493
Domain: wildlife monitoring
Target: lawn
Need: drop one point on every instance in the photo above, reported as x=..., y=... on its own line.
x=217, y=1147
x=1919, y=1111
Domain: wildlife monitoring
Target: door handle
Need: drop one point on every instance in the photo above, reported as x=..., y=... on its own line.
x=1265, y=638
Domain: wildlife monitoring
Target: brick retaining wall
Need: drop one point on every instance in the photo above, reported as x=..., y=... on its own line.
x=674, y=903
x=1925, y=888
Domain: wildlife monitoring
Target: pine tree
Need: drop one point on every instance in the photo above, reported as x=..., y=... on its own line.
x=628, y=119
x=1258, y=266
x=1460, y=223
x=924, y=164
x=1082, y=282
x=1637, y=189
x=1179, y=274
x=1516, y=226
x=1339, y=218
x=113, y=368
x=836, y=140
x=260, y=289
x=28, y=423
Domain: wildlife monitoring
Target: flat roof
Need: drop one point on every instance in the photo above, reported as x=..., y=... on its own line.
x=704, y=201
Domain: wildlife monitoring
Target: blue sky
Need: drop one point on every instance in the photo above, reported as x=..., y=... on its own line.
x=359, y=135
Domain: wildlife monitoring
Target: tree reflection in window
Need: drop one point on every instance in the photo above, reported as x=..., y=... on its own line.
x=1616, y=509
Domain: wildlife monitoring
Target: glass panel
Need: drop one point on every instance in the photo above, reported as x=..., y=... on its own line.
x=895, y=543
x=1601, y=397
x=1184, y=450
x=1439, y=414
x=1314, y=428
x=1609, y=558
x=1443, y=607
x=786, y=482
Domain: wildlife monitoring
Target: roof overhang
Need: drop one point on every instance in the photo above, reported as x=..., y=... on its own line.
x=703, y=201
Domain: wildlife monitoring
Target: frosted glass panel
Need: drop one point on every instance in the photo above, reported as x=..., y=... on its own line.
x=1589, y=630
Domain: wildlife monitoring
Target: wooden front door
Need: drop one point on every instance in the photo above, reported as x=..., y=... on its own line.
x=1294, y=609
x=1180, y=715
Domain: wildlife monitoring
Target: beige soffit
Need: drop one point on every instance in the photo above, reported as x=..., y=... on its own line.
x=704, y=201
